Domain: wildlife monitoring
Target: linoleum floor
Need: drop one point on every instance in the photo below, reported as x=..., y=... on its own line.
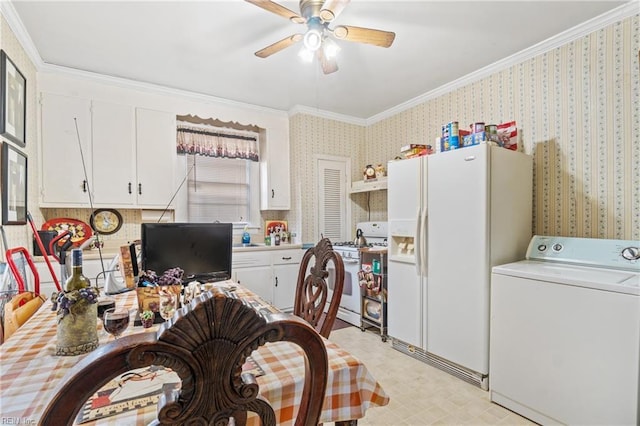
x=419, y=393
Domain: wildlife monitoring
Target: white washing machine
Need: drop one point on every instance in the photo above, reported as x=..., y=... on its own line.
x=565, y=332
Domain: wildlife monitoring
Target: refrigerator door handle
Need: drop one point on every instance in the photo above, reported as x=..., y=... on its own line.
x=416, y=243
x=423, y=243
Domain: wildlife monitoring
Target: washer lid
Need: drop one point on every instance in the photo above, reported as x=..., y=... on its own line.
x=581, y=276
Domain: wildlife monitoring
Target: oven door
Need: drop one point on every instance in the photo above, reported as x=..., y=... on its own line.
x=349, y=310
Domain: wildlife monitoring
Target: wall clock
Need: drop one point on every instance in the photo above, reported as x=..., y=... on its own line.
x=106, y=221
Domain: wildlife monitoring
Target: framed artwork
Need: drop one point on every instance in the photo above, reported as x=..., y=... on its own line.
x=14, y=186
x=13, y=95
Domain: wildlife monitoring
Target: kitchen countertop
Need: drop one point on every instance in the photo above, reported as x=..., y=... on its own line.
x=108, y=254
x=263, y=247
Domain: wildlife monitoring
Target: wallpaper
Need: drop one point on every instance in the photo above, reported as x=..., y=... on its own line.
x=20, y=235
x=311, y=136
x=577, y=109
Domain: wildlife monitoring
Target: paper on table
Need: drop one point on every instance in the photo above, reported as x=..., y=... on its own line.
x=129, y=391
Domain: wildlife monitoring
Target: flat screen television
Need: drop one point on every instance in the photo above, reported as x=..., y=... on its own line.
x=202, y=250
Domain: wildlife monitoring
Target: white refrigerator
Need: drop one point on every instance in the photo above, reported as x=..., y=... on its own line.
x=474, y=212
x=406, y=211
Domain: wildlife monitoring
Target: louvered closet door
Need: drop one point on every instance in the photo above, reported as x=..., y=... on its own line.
x=332, y=193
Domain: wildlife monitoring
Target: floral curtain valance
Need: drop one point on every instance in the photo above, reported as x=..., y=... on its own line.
x=212, y=142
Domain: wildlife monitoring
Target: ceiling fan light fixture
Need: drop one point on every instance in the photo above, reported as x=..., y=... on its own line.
x=313, y=39
x=305, y=55
x=330, y=48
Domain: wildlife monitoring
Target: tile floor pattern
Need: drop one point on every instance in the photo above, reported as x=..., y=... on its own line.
x=419, y=393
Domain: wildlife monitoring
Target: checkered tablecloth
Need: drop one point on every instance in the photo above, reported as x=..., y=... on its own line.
x=30, y=372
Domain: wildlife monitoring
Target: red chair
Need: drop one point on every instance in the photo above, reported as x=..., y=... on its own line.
x=23, y=305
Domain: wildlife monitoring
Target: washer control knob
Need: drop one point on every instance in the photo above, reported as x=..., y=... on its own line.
x=542, y=247
x=557, y=247
x=631, y=253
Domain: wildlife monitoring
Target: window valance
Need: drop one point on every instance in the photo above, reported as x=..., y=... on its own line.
x=214, y=142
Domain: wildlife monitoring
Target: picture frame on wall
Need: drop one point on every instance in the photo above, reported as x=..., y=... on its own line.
x=13, y=101
x=14, y=186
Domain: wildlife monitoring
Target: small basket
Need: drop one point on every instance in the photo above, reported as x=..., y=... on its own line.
x=149, y=299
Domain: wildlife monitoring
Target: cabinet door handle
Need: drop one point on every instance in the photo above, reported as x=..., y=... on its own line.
x=286, y=258
x=276, y=281
x=129, y=187
x=273, y=193
x=84, y=186
x=139, y=189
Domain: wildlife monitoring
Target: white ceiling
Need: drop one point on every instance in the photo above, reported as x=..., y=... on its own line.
x=208, y=47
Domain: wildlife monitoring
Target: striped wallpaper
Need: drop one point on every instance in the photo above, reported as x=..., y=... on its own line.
x=578, y=113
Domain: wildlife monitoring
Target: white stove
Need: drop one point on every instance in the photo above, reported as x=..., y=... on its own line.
x=375, y=233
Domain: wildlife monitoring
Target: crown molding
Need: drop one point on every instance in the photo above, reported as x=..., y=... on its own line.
x=615, y=15
x=302, y=109
x=624, y=11
x=11, y=16
x=153, y=88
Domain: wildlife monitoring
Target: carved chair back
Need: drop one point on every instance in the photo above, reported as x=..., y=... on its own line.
x=312, y=288
x=206, y=344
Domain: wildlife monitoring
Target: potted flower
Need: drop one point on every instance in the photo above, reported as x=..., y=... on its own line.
x=147, y=317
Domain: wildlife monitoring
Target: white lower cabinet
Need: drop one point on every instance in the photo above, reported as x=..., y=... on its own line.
x=286, y=264
x=271, y=274
x=91, y=268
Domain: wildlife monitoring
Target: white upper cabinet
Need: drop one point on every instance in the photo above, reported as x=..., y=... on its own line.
x=114, y=161
x=128, y=154
x=155, y=152
x=65, y=150
x=275, y=192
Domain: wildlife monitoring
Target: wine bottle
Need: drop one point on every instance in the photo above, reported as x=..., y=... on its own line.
x=77, y=332
x=77, y=280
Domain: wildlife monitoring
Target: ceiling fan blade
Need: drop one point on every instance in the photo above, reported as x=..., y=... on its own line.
x=331, y=9
x=278, y=46
x=278, y=10
x=329, y=65
x=364, y=35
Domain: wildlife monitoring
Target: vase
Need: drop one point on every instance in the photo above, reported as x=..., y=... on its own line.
x=147, y=322
x=77, y=332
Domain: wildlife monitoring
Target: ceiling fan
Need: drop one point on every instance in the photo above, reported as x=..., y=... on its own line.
x=317, y=15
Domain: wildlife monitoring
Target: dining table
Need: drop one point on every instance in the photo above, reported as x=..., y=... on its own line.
x=30, y=373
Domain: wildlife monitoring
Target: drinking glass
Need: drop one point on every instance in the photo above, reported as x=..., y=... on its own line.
x=168, y=304
x=115, y=321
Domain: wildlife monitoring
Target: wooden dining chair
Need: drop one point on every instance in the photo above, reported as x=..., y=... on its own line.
x=312, y=288
x=206, y=344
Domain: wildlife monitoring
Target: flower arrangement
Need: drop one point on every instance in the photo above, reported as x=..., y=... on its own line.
x=66, y=302
x=150, y=284
x=171, y=276
x=147, y=315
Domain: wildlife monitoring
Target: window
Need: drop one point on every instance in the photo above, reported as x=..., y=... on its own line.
x=223, y=177
x=223, y=189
